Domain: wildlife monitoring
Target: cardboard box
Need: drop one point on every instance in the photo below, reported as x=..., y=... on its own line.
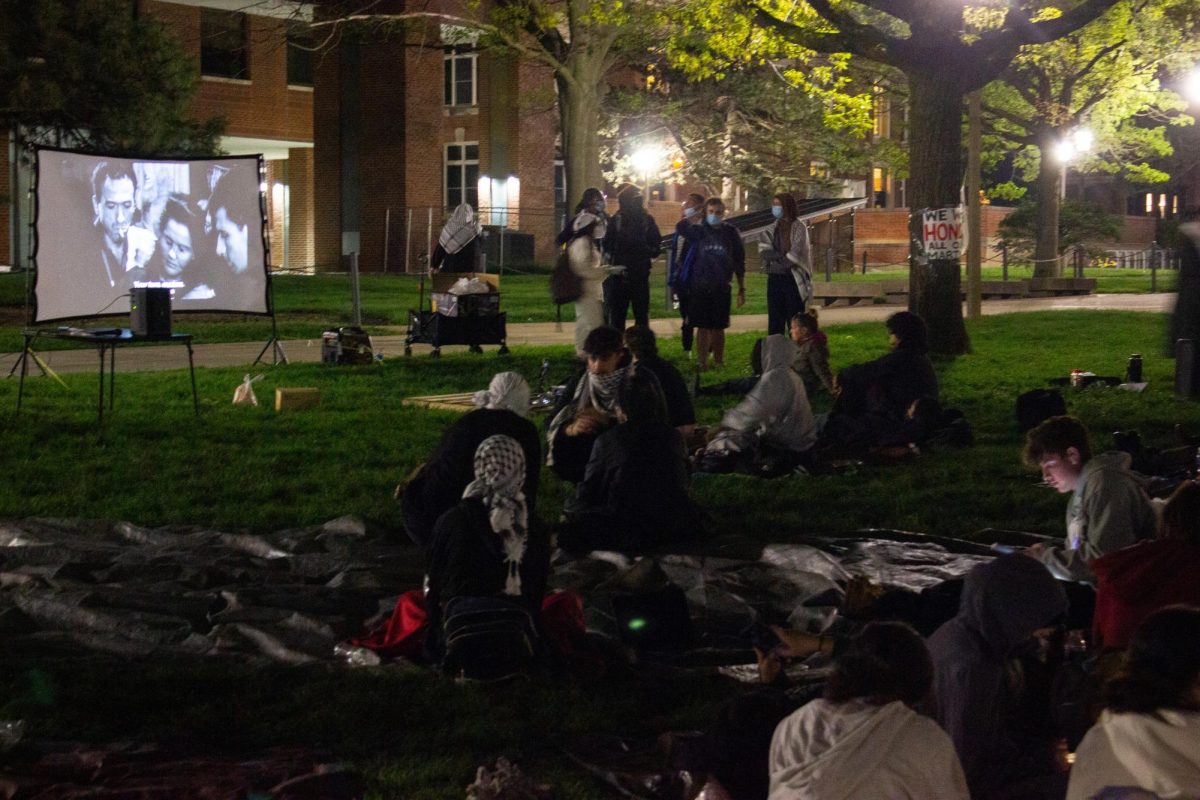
x=297, y=397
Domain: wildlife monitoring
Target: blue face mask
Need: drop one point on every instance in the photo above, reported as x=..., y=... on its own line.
x=713, y=219
x=689, y=212
x=777, y=211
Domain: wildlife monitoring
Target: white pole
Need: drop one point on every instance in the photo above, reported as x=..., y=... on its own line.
x=429, y=237
x=387, y=236
x=408, y=243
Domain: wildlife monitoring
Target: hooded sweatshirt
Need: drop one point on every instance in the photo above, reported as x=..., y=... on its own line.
x=1108, y=510
x=1160, y=754
x=776, y=410
x=1003, y=602
x=831, y=751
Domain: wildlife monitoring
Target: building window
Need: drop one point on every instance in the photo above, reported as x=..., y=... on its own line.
x=299, y=54
x=459, y=73
x=560, y=183
x=223, y=50
x=462, y=174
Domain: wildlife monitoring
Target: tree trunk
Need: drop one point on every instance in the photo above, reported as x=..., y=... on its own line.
x=579, y=120
x=1046, y=263
x=936, y=167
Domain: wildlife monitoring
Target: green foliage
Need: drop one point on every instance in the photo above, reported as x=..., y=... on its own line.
x=93, y=74
x=1077, y=223
x=1107, y=77
x=1007, y=192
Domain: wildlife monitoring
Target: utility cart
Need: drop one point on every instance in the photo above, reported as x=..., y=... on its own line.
x=470, y=319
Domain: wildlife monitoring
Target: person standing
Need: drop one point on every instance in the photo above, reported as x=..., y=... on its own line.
x=1185, y=321
x=693, y=214
x=631, y=241
x=787, y=260
x=457, y=249
x=583, y=239
x=715, y=258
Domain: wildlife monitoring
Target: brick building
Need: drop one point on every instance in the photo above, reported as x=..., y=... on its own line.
x=262, y=86
x=408, y=125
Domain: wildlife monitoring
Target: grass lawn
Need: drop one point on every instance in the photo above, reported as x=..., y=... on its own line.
x=153, y=462
x=306, y=305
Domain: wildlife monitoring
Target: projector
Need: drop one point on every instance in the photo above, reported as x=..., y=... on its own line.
x=150, y=312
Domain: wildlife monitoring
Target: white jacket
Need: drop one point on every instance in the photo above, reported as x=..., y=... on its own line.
x=828, y=751
x=1142, y=751
x=583, y=254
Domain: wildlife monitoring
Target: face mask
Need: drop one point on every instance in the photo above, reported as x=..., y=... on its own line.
x=689, y=212
x=777, y=211
x=713, y=219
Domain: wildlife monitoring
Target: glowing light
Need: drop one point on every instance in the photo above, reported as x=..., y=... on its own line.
x=647, y=159
x=1083, y=139
x=1191, y=85
x=1064, y=151
x=636, y=624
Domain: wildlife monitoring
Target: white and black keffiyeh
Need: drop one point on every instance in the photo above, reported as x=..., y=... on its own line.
x=499, y=477
x=508, y=390
x=592, y=391
x=459, y=230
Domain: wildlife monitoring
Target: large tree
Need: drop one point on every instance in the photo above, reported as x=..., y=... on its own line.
x=95, y=75
x=945, y=51
x=1106, y=79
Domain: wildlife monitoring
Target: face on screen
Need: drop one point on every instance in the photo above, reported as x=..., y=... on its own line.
x=233, y=241
x=175, y=245
x=114, y=208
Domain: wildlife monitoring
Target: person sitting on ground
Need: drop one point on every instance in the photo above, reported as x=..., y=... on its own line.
x=1108, y=509
x=1135, y=581
x=501, y=409
x=772, y=428
x=892, y=400
x=863, y=738
x=489, y=544
x=999, y=724
x=643, y=346
x=590, y=405
x=457, y=249
x=812, y=353
x=1148, y=736
x=634, y=492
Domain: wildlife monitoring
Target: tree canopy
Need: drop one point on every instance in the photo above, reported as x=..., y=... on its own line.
x=95, y=75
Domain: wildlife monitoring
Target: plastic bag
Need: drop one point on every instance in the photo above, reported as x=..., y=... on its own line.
x=470, y=286
x=243, y=395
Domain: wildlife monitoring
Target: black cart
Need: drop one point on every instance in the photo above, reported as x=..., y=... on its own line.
x=470, y=319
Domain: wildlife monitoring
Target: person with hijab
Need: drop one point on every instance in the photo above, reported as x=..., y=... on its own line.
x=589, y=406
x=501, y=410
x=457, y=249
x=489, y=544
x=864, y=738
x=631, y=241
x=1146, y=743
x=634, y=491
x=582, y=239
x=772, y=428
x=787, y=260
x=991, y=693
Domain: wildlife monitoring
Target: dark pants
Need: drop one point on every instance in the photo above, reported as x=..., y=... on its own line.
x=621, y=291
x=783, y=302
x=686, y=331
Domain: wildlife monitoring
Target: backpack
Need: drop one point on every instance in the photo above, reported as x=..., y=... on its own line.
x=565, y=285
x=1038, y=405
x=487, y=639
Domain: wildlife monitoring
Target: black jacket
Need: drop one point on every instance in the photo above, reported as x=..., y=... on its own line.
x=632, y=240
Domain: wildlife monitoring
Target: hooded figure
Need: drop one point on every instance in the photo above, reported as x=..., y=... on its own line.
x=776, y=412
x=977, y=697
x=450, y=467
x=583, y=255
x=1185, y=321
x=457, y=249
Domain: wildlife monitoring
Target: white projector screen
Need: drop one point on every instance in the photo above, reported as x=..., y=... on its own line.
x=107, y=225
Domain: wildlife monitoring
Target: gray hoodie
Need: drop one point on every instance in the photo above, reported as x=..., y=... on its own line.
x=776, y=410
x=1108, y=510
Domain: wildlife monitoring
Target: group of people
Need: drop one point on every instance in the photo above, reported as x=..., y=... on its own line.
x=171, y=240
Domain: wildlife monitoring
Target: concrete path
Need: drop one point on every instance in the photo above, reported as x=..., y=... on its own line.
x=138, y=359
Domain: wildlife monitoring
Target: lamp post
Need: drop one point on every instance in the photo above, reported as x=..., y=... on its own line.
x=1074, y=144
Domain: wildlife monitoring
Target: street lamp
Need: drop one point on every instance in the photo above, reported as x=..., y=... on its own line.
x=647, y=160
x=1067, y=149
x=1191, y=85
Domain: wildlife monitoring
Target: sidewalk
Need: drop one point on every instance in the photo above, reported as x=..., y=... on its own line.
x=391, y=345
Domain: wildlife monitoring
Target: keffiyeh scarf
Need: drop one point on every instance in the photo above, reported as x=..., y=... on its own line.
x=499, y=476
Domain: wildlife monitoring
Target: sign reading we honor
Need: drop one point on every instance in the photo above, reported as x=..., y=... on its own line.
x=942, y=232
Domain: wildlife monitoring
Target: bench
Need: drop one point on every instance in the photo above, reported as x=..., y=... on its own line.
x=1055, y=287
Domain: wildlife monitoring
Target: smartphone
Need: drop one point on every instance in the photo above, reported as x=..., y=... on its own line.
x=1004, y=549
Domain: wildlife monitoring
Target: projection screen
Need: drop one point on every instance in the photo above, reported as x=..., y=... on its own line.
x=107, y=225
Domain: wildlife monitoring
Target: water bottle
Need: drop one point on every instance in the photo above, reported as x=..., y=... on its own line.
x=1133, y=371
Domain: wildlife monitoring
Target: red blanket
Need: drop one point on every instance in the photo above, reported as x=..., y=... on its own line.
x=1136, y=581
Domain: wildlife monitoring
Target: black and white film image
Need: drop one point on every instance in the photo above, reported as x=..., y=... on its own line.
x=108, y=225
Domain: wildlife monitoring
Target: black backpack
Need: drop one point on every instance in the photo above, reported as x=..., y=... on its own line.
x=488, y=639
x=1036, y=406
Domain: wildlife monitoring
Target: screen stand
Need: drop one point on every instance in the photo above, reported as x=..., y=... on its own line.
x=274, y=345
x=20, y=363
